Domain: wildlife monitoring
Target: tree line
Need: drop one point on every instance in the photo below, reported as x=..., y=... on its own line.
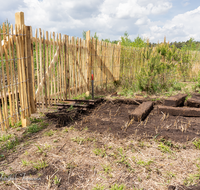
x=125, y=40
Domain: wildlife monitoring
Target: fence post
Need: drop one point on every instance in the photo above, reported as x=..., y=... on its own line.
x=29, y=65
x=88, y=59
x=19, y=21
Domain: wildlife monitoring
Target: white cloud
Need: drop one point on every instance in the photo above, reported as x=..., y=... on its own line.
x=180, y=28
x=142, y=21
x=185, y=3
x=132, y=8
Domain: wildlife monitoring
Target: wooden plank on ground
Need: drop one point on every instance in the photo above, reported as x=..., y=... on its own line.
x=142, y=111
x=180, y=111
x=176, y=100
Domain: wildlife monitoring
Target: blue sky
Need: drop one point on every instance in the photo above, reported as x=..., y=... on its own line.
x=178, y=20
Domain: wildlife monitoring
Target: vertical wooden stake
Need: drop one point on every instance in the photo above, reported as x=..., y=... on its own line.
x=88, y=59
x=30, y=76
x=45, y=83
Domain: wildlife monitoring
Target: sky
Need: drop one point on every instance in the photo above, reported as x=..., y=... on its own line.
x=178, y=20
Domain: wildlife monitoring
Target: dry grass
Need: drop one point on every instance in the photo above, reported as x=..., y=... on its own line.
x=89, y=160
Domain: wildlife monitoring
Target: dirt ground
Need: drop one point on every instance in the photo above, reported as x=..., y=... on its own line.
x=102, y=149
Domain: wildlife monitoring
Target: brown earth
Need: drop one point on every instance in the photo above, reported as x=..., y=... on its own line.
x=113, y=116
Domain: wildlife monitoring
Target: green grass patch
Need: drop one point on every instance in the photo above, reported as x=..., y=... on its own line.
x=34, y=128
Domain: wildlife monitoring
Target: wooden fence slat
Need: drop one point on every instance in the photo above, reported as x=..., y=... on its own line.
x=20, y=77
x=12, y=107
x=73, y=65
x=76, y=65
x=57, y=69
x=54, y=68
x=37, y=62
x=85, y=64
x=65, y=68
x=79, y=66
x=7, y=69
x=13, y=73
x=60, y=66
x=47, y=66
x=15, y=67
x=32, y=64
x=24, y=77
x=44, y=70
x=3, y=90
x=50, y=70
x=40, y=49
x=68, y=73
x=28, y=72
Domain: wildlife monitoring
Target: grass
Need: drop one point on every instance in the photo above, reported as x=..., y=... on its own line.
x=56, y=180
x=49, y=133
x=107, y=168
x=25, y=162
x=98, y=187
x=40, y=164
x=99, y=152
x=5, y=137
x=197, y=144
x=143, y=163
x=34, y=128
x=11, y=144
x=164, y=148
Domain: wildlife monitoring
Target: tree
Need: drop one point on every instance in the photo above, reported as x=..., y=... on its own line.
x=125, y=41
x=138, y=42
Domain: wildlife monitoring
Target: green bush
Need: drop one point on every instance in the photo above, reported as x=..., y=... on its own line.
x=156, y=75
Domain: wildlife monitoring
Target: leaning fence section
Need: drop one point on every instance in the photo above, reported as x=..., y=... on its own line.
x=14, y=84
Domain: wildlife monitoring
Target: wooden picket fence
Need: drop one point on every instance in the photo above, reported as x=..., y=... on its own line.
x=64, y=65
x=14, y=74
x=39, y=70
